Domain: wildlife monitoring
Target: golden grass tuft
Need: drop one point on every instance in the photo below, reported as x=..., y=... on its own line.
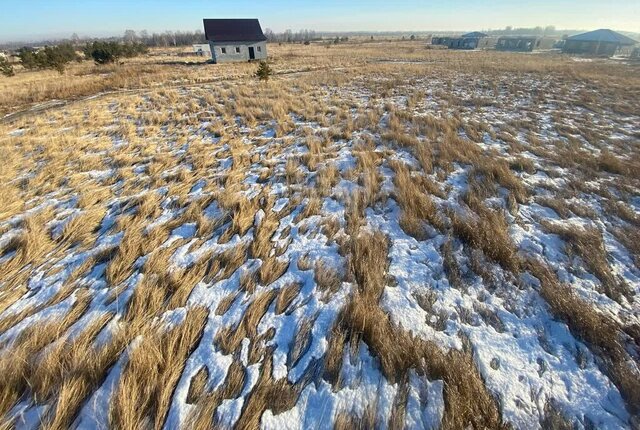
x=144, y=392
x=82, y=228
x=301, y=342
x=327, y=278
x=417, y=207
x=228, y=339
x=31, y=248
x=198, y=385
x=19, y=359
x=327, y=177
x=276, y=395
x=588, y=244
x=487, y=230
x=203, y=415
x=272, y=269
x=286, y=296
x=129, y=250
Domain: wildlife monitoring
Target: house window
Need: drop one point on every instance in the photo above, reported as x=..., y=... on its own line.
x=237, y=49
x=223, y=50
x=259, y=48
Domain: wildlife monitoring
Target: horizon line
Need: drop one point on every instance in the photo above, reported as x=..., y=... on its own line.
x=55, y=37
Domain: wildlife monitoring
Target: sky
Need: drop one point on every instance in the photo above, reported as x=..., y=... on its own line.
x=25, y=20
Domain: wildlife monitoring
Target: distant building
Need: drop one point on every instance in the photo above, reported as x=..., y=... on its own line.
x=525, y=43
x=202, y=49
x=235, y=40
x=474, y=40
x=601, y=43
x=439, y=40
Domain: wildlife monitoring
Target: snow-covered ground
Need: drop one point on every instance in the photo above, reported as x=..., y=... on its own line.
x=210, y=151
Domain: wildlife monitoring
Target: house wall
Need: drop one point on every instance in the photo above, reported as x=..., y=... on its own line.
x=440, y=41
x=524, y=44
x=471, y=42
x=461, y=43
x=487, y=42
x=260, y=49
x=604, y=49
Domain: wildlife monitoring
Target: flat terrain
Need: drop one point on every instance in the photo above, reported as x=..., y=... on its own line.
x=380, y=235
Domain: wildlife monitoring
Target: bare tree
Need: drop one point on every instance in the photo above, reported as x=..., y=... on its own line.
x=130, y=36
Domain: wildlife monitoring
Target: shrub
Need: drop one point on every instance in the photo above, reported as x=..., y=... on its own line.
x=6, y=68
x=264, y=71
x=51, y=57
x=27, y=58
x=110, y=52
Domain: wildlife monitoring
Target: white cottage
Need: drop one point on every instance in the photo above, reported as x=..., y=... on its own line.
x=235, y=40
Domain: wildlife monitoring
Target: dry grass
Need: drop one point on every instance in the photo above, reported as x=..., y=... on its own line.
x=467, y=399
x=31, y=247
x=75, y=370
x=326, y=178
x=487, y=230
x=121, y=266
x=349, y=421
x=146, y=386
x=600, y=332
x=198, y=385
x=451, y=267
x=301, y=342
x=369, y=178
x=417, y=207
x=630, y=238
x=272, y=269
x=229, y=338
x=20, y=358
x=156, y=198
x=327, y=278
x=203, y=416
x=286, y=296
x=276, y=395
x=588, y=244
x=223, y=265
x=491, y=171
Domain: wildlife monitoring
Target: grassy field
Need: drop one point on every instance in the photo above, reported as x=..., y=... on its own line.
x=381, y=235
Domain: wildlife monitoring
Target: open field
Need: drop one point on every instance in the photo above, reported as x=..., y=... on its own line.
x=380, y=236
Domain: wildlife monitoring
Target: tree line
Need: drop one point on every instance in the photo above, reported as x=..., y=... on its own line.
x=165, y=39
x=549, y=30
x=57, y=57
x=288, y=36
x=185, y=38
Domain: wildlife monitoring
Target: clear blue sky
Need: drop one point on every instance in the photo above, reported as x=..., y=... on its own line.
x=32, y=19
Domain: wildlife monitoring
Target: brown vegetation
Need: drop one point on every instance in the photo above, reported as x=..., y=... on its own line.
x=119, y=214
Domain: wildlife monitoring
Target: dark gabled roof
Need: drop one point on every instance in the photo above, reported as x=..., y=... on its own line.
x=475, y=34
x=603, y=35
x=233, y=30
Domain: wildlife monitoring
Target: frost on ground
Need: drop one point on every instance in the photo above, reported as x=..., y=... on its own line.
x=396, y=245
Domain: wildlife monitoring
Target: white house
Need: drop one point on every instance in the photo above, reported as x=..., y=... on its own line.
x=235, y=40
